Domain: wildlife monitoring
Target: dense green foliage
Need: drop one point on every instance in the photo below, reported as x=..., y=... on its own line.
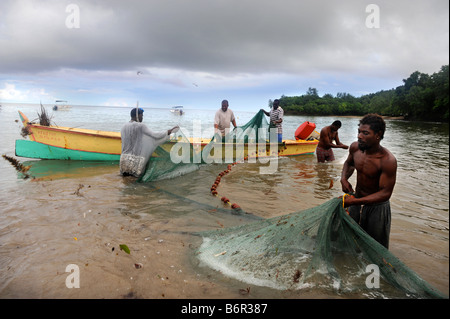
x=421, y=97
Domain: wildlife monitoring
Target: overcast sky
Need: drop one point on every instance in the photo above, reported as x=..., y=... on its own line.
x=198, y=52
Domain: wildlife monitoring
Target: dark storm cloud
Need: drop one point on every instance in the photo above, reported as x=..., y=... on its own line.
x=222, y=36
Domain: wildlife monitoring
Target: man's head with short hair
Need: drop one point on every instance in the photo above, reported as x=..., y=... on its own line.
x=335, y=126
x=275, y=104
x=375, y=122
x=337, y=123
x=224, y=105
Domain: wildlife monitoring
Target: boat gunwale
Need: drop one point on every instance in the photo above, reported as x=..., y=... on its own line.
x=202, y=142
x=89, y=132
x=116, y=135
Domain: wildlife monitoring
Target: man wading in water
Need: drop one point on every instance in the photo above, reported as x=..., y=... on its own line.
x=376, y=169
x=328, y=134
x=139, y=143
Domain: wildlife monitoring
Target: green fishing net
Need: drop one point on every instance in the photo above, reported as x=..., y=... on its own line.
x=321, y=247
x=184, y=155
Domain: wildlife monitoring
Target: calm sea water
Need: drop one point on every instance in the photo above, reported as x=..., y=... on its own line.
x=80, y=213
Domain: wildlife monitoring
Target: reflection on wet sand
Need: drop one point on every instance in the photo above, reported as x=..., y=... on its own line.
x=61, y=169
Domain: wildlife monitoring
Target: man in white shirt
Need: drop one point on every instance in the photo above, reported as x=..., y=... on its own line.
x=138, y=144
x=223, y=118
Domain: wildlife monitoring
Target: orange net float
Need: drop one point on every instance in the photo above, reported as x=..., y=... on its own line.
x=225, y=200
x=236, y=207
x=218, y=180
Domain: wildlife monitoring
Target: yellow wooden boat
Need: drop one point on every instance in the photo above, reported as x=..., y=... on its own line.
x=66, y=143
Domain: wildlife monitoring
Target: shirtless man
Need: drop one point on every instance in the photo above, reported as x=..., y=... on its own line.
x=329, y=134
x=376, y=169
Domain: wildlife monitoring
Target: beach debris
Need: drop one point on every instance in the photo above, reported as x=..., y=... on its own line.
x=124, y=248
x=77, y=192
x=220, y=224
x=331, y=184
x=220, y=254
x=19, y=166
x=245, y=291
x=297, y=276
x=130, y=295
x=138, y=265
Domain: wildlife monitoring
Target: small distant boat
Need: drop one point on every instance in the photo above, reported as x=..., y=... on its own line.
x=177, y=110
x=61, y=105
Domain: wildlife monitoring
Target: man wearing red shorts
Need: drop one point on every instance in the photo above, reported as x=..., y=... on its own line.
x=328, y=134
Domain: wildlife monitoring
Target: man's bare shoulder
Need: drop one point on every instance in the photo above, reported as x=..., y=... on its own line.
x=325, y=129
x=354, y=147
x=388, y=157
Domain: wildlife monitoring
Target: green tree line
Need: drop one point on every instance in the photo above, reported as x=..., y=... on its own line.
x=421, y=97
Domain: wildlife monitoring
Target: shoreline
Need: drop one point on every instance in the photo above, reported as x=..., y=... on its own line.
x=349, y=116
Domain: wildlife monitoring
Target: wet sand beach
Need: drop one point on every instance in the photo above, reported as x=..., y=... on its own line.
x=80, y=214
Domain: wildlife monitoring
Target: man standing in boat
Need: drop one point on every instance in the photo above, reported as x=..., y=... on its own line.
x=328, y=134
x=224, y=116
x=376, y=169
x=276, y=118
x=138, y=144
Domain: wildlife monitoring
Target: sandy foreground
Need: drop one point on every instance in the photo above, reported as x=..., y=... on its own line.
x=161, y=263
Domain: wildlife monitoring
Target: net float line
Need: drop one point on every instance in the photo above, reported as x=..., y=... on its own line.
x=216, y=183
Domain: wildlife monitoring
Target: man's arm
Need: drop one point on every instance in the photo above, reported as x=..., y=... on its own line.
x=386, y=185
x=216, y=123
x=281, y=114
x=155, y=135
x=278, y=121
x=348, y=169
x=172, y=129
x=265, y=112
x=338, y=142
